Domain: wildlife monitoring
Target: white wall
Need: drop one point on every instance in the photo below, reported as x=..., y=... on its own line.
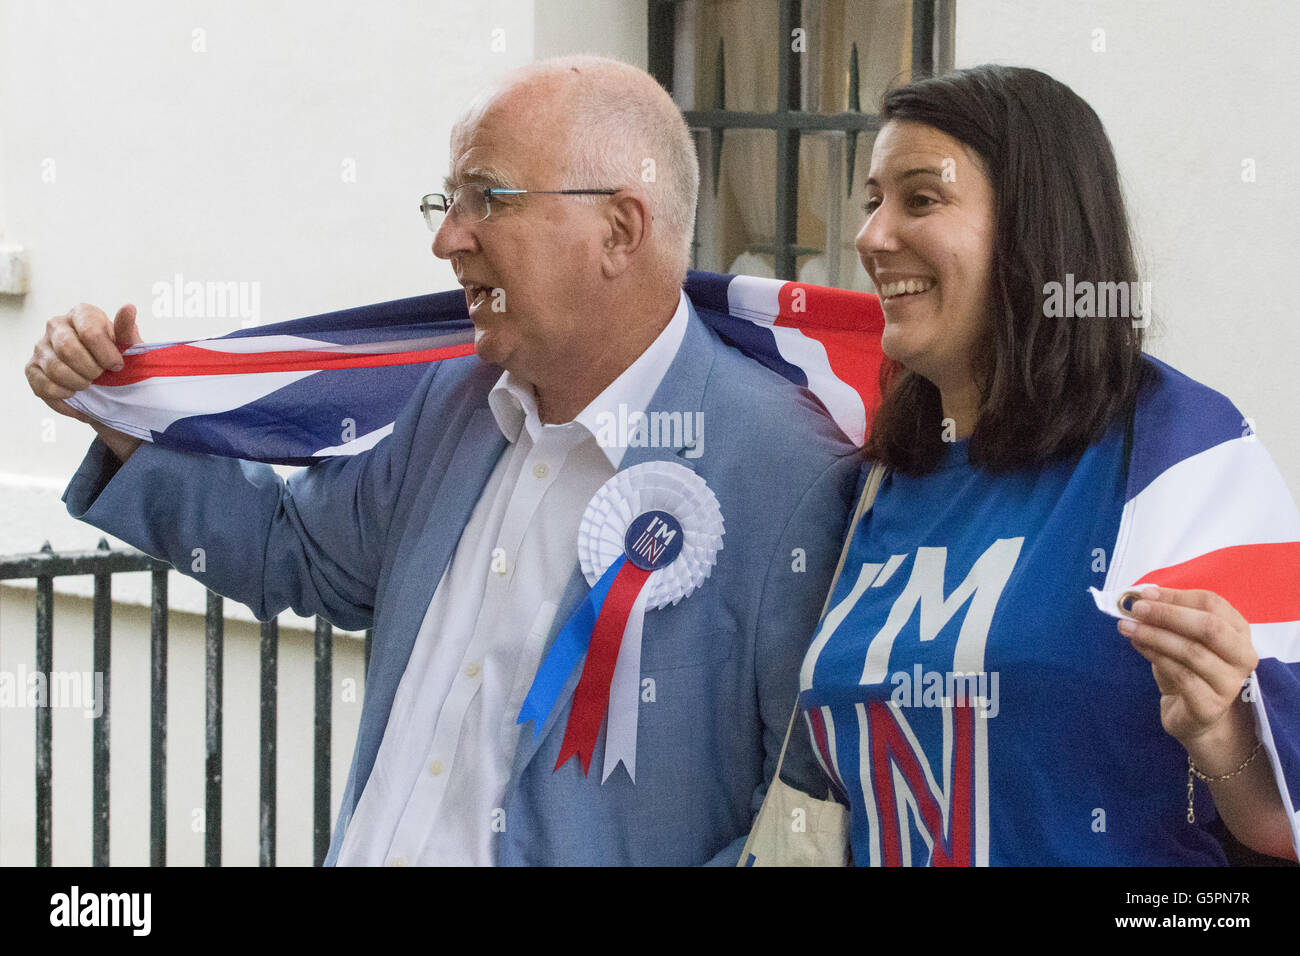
x=1187, y=91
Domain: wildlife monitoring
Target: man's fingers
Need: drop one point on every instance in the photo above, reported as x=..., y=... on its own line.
x=77, y=348
x=54, y=370
x=47, y=391
x=66, y=347
x=97, y=334
x=125, y=331
x=54, y=395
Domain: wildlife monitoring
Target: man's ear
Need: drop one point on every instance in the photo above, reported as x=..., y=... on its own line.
x=628, y=224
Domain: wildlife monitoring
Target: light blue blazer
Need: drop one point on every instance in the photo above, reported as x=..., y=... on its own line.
x=364, y=540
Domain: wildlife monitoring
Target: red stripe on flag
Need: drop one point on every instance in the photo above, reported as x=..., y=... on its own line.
x=835, y=309
x=1262, y=581
x=177, y=360
x=848, y=325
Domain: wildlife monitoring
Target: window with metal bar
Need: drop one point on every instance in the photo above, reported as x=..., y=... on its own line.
x=780, y=95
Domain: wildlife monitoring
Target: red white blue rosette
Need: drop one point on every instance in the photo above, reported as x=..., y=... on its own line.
x=648, y=538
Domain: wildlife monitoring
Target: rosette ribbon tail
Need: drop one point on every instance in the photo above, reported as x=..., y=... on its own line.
x=591, y=698
x=625, y=695
x=569, y=646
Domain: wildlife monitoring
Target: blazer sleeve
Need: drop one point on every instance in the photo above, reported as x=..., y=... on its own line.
x=314, y=543
x=791, y=602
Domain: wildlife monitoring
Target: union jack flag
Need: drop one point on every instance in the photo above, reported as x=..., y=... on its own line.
x=299, y=391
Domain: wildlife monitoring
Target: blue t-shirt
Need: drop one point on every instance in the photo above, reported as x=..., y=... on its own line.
x=968, y=700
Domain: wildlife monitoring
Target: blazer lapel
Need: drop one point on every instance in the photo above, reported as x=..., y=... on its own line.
x=682, y=390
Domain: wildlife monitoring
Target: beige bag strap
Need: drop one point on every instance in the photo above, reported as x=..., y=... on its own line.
x=865, y=501
x=874, y=477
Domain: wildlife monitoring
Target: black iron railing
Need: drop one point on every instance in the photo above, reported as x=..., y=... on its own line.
x=46, y=565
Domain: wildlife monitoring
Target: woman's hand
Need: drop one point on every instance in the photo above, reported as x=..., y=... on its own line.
x=1200, y=652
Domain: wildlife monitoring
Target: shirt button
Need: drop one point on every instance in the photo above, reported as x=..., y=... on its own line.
x=399, y=861
x=540, y=470
x=471, y=670
x=435, y=768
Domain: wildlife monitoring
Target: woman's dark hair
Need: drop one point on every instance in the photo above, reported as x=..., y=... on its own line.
x=1049, y=386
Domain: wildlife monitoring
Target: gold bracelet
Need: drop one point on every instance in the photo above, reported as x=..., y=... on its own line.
x=1192, y=771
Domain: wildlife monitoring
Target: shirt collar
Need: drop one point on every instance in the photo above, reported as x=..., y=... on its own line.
x=514, y=403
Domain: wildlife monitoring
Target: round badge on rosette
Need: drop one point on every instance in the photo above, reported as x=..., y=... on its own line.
x=664, y=518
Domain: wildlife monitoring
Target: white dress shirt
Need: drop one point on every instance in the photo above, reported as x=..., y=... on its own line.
x=434, y=795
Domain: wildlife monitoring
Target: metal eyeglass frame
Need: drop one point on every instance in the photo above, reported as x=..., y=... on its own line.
x=441, y=202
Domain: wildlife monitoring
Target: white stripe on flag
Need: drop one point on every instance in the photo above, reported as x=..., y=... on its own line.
x=841, y=399
x=364, y=442
x=1280, y=639
x=1265, y=732
x=153, y=404
x=759, y=301
x=755, y=299
x=1234, y=491
x=292, y=343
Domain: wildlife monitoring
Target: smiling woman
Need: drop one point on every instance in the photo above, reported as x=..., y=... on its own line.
x=1017, y=204
x=1029, y=473
x=927, y=245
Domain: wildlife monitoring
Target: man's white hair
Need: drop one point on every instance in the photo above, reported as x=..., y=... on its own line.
x=623, y=130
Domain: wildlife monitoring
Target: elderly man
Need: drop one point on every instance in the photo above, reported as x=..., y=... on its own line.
x=568, y=219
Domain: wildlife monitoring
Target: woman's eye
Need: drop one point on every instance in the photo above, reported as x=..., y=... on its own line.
x=918, y=201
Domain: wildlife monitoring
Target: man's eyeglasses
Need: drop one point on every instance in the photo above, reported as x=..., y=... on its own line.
x=474, y=201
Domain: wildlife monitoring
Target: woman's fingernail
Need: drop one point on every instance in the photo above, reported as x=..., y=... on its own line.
x=1151, y=593
x=1127, y=627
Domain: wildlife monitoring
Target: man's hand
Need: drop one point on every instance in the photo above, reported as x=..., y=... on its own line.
x=76, y=349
